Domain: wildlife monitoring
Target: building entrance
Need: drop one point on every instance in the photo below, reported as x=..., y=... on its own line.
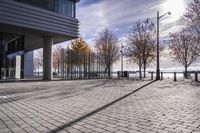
x=11, y=56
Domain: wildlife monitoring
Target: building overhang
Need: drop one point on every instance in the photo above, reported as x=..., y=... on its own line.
x=34, y=23
x=33, y=38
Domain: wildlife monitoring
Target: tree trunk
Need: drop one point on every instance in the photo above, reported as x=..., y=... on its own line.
x=144, y=67
x=186, y=73
x=186, y=51
x=140, y=71
x=38, y=71
x=58, y=71
x=109, y=72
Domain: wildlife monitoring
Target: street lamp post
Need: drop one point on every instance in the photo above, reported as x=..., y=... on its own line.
x=122, y=60
x=158, y=49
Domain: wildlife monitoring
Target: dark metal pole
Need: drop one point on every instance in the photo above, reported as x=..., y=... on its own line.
x=68, y=64
x=122, y=69
x=62, y=63
x=71, y=66
x=98, y=68
x=89, y=65
x=109, y=64
x=1, y=37
x=86, y=65
x=158, y=63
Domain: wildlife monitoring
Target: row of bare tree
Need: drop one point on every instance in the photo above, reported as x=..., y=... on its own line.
x=106, y=47
x=184, y=45
x=78, y=45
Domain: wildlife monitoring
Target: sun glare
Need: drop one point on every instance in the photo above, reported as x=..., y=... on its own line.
x=176, y=7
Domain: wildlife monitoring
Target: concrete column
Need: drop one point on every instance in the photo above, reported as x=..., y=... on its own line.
x=47, y=58
x=28, y=64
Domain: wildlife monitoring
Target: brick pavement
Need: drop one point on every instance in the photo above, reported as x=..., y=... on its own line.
x=91, y=106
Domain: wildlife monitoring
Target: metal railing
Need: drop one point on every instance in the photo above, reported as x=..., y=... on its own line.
x=83, y=65
x=194, y=75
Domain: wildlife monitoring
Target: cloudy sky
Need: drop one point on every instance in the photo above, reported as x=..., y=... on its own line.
x=118, y=15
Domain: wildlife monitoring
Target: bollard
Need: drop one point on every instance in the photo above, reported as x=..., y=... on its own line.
x=175, y=79
x=196, y=76
x=151, y=75
x=127, y=75
x=161, y=76
x=118, y=74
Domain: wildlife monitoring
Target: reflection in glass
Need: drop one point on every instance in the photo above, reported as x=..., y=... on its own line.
x=64, y=7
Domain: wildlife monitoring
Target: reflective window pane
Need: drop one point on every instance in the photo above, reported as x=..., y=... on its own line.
x=64, y=7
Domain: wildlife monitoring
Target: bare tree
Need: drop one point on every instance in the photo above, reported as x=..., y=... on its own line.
x=133, y=52
x=192, y=20
x=57, y=58
x=38, y=60
x=141, y=47
x=183, y=49
x=107, y=47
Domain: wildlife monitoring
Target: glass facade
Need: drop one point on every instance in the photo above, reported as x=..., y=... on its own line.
x=64, y=7
x=11, y=47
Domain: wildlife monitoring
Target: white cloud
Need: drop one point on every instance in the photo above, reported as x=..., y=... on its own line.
x=117, y=15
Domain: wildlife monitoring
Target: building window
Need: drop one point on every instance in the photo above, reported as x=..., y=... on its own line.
x=64, y=7
x=45, y=4
x=73, y=10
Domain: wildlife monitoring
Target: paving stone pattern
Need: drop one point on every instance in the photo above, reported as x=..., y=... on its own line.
x=100, y=106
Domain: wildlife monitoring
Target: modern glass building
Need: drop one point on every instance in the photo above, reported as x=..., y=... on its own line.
x=26, y=25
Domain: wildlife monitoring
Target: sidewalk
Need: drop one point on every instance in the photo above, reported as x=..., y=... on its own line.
x=100, y=106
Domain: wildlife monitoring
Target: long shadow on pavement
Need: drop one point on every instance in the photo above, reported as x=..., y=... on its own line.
x=98, y=110
x=195, y=83
x=94, y=84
